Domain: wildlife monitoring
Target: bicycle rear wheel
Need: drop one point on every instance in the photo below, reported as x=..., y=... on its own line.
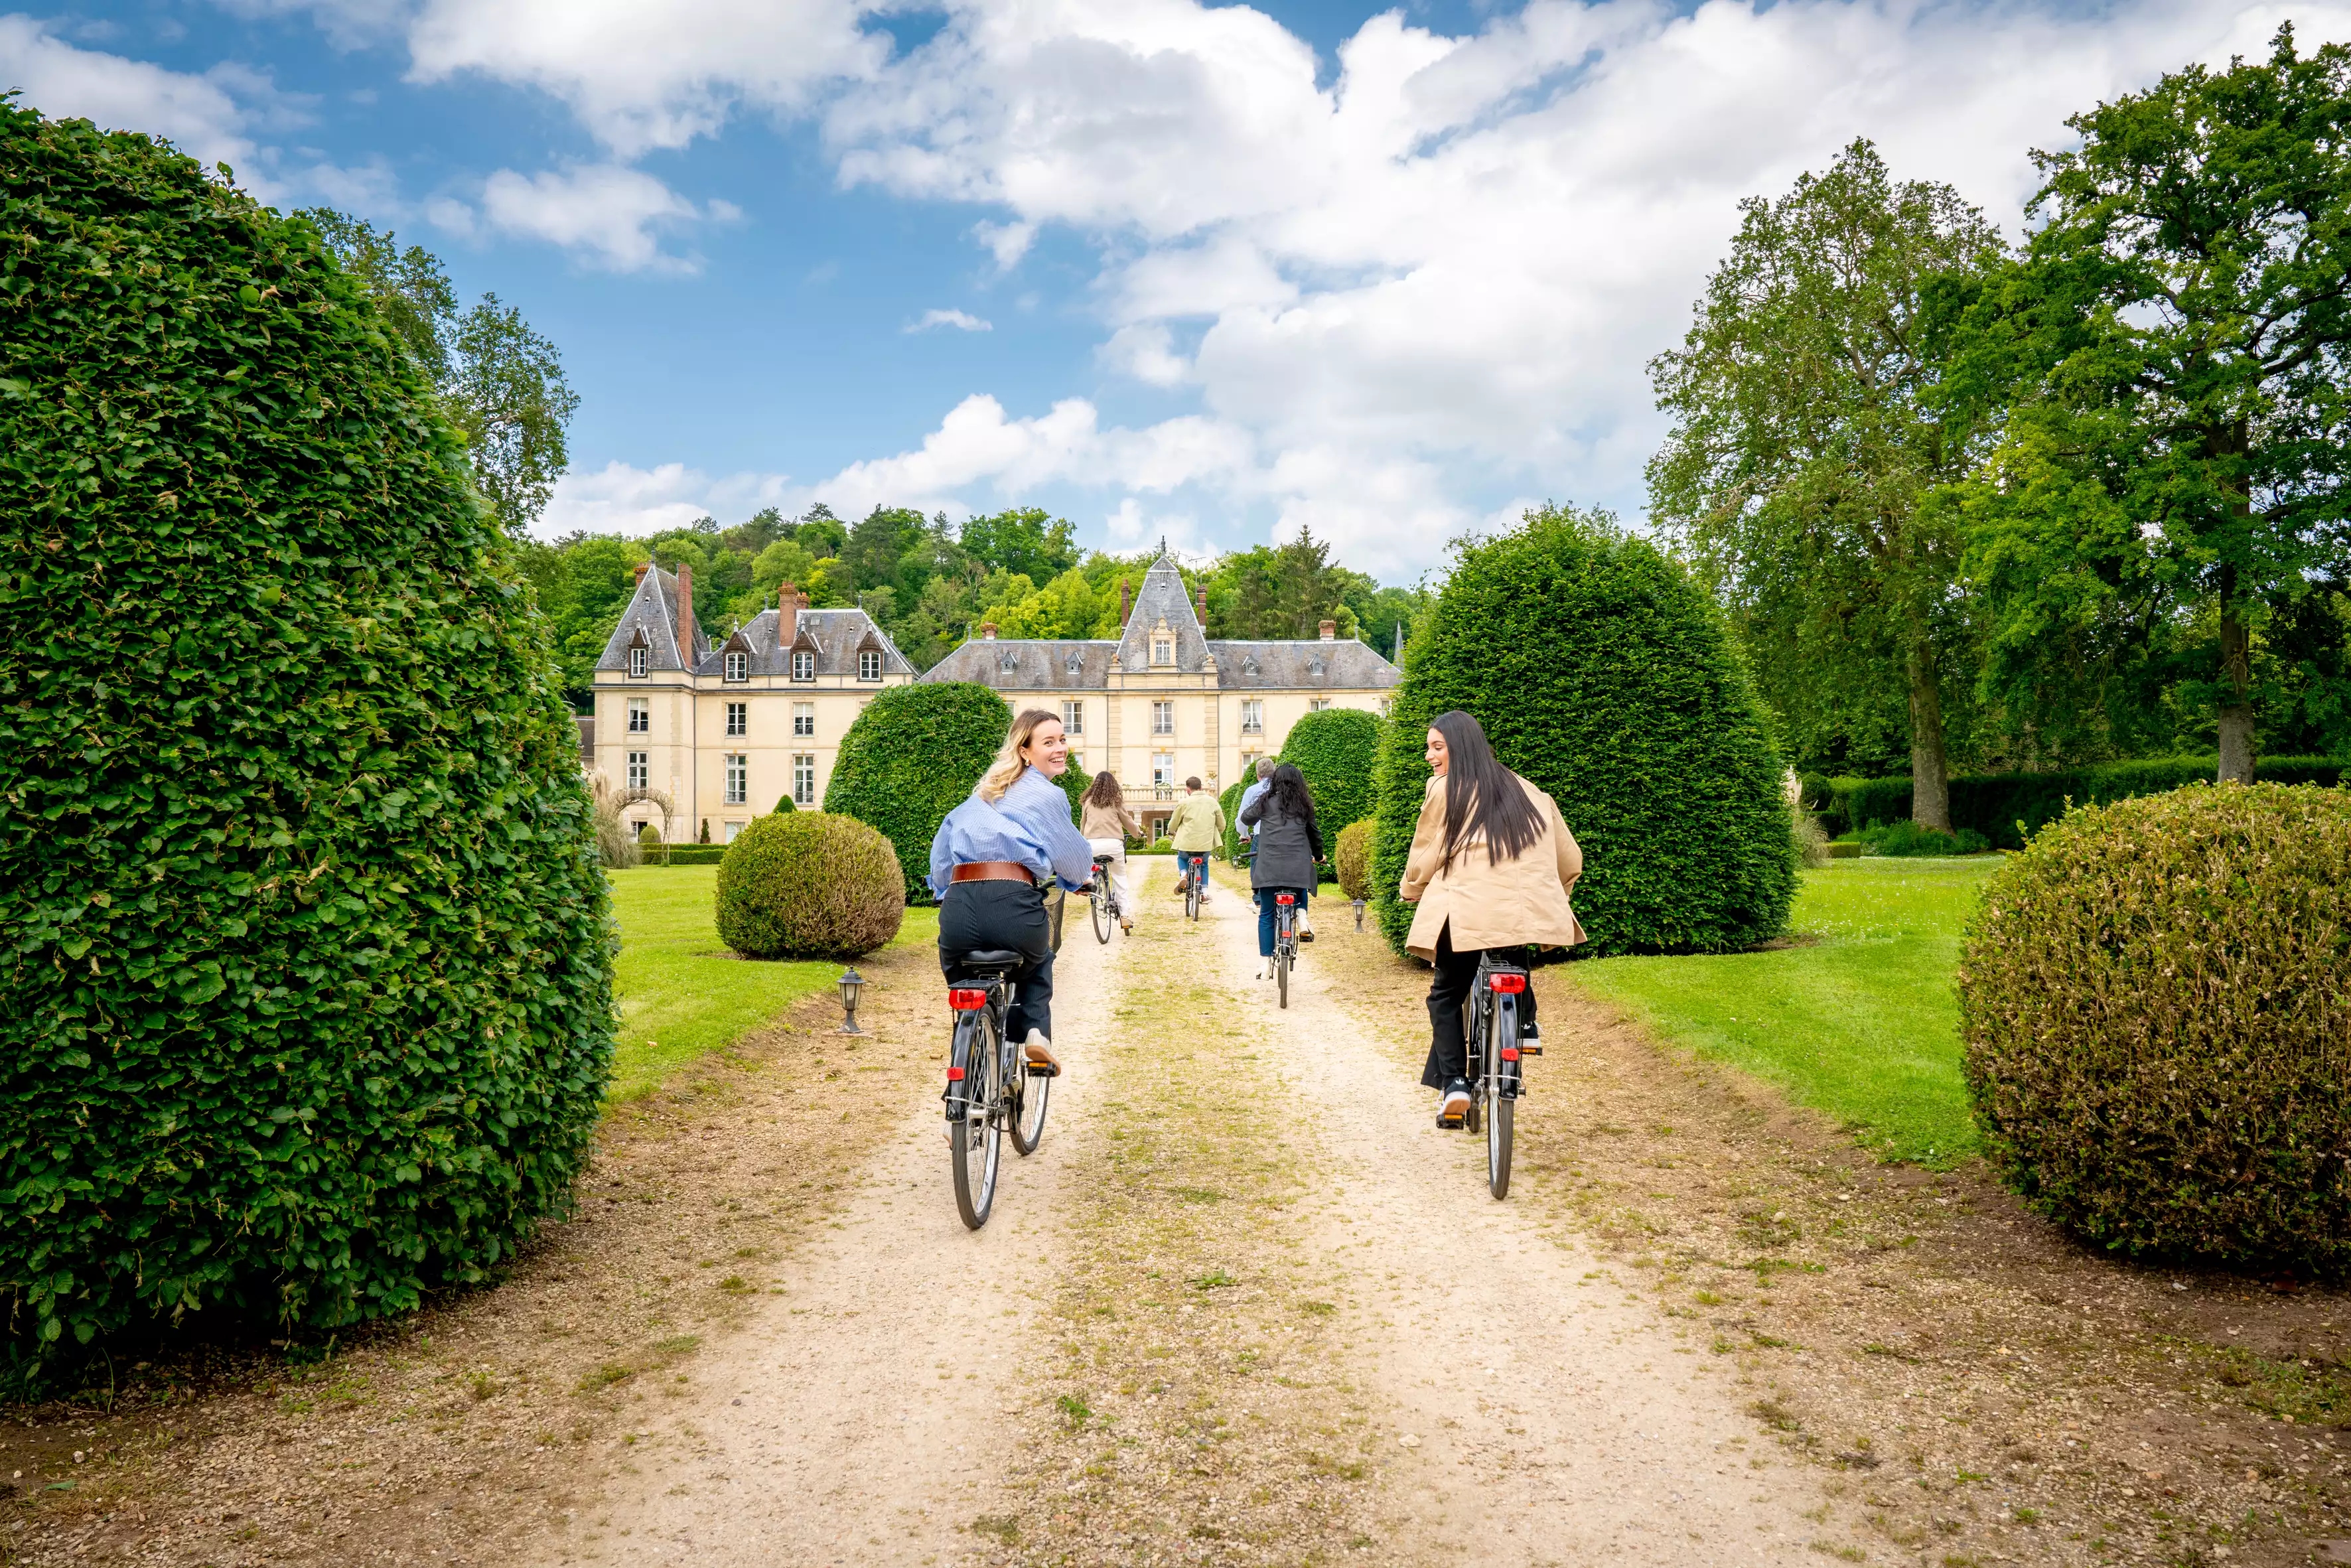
x=976, y=1139
x=1192, y=898
x=1100, y=901
x=1281, y=974
x=1498, y=1118
x=1028, y=1116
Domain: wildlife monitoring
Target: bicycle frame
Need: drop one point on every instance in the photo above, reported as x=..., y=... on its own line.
x=974, y=1006
x=1494, y=1050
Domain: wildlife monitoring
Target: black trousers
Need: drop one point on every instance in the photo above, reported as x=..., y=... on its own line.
x=1009, y=916
x=1448, y=997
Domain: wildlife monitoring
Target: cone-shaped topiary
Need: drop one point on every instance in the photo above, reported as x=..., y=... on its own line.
x=784, y=805
x=1230, y=803
x=1073, y=782
x=1351, y=858
x=305, y=997
x=2155, y=1003
x=1336, y=750
x=809, y=884
x=1606, y=676
x=910, y=758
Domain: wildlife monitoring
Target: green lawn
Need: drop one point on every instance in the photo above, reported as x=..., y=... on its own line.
x=1863, y=1024
x=682, y=993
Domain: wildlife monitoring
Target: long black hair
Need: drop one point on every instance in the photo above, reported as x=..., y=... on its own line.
x=1287, y=793
x=1481, y=796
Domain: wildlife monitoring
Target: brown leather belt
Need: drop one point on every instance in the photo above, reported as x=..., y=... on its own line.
x=993, y=871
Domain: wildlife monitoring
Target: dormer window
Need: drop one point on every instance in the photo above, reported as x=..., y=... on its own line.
x=637, y=663
x=1249, y=664
x=1163, y=649
x=803, y=664
x=738, y=666
x=1075, y=663
x=1315, y=666
x=1009, y=663
x=869, y=664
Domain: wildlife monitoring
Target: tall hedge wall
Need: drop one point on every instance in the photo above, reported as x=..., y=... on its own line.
x=306, y=1004
x=1605, y=676
x=1994, y=803
x=1231, y=802
x=910, y=758
x=1336, y=750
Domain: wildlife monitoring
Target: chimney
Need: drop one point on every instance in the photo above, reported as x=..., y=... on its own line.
x=1125, y=602
x=641, y=569
x=1329, y=631
x=788, y=614
x=988, y=631
x=685, y=623
x=1203, y=612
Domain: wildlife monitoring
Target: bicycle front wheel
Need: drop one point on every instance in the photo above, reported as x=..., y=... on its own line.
x=1498, y=1117
x=1100, y=901
x=976, y=1139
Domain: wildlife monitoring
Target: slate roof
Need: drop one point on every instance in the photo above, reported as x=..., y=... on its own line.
x=1044, y=663
x=652, y=611
x=836, y=636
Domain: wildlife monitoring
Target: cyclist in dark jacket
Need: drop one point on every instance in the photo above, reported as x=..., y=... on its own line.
x=1289, y=842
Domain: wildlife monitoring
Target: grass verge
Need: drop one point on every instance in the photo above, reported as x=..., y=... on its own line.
x=1857, y=1019
x=683, y=993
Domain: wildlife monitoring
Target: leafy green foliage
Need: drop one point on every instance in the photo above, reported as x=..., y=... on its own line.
x=1606, y=676
x=2008, y=808
x=306, y=1005
x=1231, y=802
x=1073, y=782
x=1351, y=857
x=2155, y=1003
x=809, y=885
x=1336, y=752
x=909, y=758
x=784, y=804
x=1901, y=839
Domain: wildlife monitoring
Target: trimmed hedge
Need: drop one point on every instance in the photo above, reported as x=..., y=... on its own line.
x=686, y=854
x=2155, y=1003
x=1351, y=857
x=784, y=805
x=306, y=1002
x=1606, y=677
x=1336, y=750
x=1074, y=781
x=1993, y=803
x=911, y=758
x=1231, y=802
x=809, y=885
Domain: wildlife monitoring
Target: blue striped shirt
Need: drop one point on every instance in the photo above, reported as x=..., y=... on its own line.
x=1030, y=825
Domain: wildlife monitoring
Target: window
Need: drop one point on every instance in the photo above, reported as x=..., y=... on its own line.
x=869, y=664
x=1163, y=649
x=733, y=830
x=803, y=665
x=637, y=664
x=641, y=720
x=1163, y=718
x=738, y=779
x=1252, y=716
x=738, y=716
x=1316, y=705
x=1163, y=770
x=804, y=721
x=803, y=778
x=1078, y=760
x=1248, y=765
x=638, y=774
x=1073, y=718
x=738, y=666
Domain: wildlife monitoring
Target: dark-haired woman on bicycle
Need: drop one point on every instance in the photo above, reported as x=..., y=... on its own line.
x=1492, y=865
x=1289, y=842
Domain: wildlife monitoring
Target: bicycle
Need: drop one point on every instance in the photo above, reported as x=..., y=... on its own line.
x=1285, y=941
x=1496, y=1068
x=990, y=1089
x=1103, y=893
x=1193, y=880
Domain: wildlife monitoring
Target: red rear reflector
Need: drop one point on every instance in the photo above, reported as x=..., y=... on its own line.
x=1283, y=898
x=1508, y=985
x=954, y=1074
x=964, y=1001
x=1510, y=1053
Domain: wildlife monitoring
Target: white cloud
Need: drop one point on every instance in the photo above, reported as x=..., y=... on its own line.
x=612, y=217
x=621, y=498
x=961, y=320
x=642, y=76
x=199, y=114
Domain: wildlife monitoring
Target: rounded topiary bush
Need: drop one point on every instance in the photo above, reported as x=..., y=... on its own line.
x=2155, y=1003
x=810, y=885
x=786, y=805
x=1350, y=859
x=910, y=758
x=1336, y=752
x=1230, y=804
x=1606, y=676
x=306, y=1004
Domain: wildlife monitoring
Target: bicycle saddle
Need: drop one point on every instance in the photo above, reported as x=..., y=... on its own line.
x=1104, y=859
x=992, y=961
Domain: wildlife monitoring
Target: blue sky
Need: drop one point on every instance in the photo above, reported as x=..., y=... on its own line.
x=1212, y=272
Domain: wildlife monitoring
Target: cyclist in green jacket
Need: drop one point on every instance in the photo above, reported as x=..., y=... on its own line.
x=1198, y=827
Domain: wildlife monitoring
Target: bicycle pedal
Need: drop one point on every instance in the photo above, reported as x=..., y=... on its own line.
x=1526, y=1050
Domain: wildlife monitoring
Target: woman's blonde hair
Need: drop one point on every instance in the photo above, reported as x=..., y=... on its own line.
x=1008, y=766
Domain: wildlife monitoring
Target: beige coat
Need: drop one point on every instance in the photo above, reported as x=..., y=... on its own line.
x=1517, y=901
x=1102, y=822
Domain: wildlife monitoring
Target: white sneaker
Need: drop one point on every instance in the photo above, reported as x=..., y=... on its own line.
x=1452, y=1106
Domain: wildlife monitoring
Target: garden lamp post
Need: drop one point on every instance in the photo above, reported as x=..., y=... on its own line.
x=1358, y=905
x=852, y=983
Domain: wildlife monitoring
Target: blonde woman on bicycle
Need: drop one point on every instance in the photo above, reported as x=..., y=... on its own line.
x=1491, y=866
x=991, y=862
x=1107, y=825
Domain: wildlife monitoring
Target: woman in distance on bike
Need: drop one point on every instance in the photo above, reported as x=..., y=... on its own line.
x=1289, y=842
x=1107, y=825
x=991, y=862
x=1492, y=865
